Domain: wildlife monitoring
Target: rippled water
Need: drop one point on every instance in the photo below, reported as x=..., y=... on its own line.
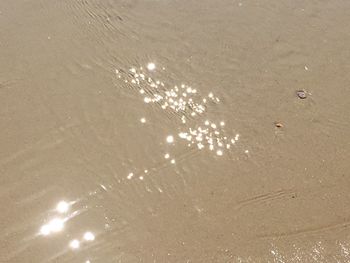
x=171, y=131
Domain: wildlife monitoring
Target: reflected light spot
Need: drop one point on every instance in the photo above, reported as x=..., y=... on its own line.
x=166, y=156
x=45, y=230
x=143, y=120
x=170, y=139
x=222, y=123
x=56, y=224
x=151, y=66
x=74, y=244
x=62, y=207
x=219, y=152
x=183, y=135
x=88, y=236
x=200, y=146
x=173, y=161
x=130, y=175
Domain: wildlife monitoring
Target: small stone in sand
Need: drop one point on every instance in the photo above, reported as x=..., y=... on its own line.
x=301, y=94
x=278, y=125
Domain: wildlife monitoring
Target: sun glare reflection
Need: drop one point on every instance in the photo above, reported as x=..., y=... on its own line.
x=74, y=244
x=62, y=207
x=54, y=226
x=88, y=236
x=186, y=103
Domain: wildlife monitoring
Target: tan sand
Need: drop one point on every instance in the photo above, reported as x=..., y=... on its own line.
x=84, y=121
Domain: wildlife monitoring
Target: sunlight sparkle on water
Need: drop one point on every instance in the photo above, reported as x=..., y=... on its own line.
x=45, y=230
x=188, y=103
x=200, y=146
x=219, y=152
x=74, y=244
x=170, y=139
x=182, y=99
x=62, y=207
x=236, y=137
x=183, y=135
x=88, y=236
x=55, y=225
x=209, y=135
x=151, y=66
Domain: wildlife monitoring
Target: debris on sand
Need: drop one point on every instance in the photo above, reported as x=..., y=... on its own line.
x=278, y=124
x=301, y=94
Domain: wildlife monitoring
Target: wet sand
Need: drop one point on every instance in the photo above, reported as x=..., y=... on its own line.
x=106, y=157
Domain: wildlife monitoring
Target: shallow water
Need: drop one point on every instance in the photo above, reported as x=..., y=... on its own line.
x=144, y=131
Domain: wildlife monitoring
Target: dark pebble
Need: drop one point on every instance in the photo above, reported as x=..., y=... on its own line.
x=278, y=125
x=301, y=94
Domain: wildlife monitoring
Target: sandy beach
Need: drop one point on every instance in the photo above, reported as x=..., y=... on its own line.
x=174, y=131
